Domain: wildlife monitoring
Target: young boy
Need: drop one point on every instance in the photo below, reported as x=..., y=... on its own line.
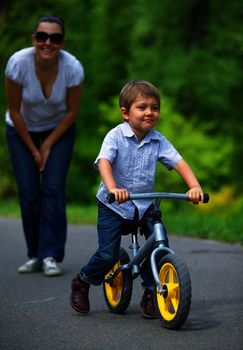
x=127, y=163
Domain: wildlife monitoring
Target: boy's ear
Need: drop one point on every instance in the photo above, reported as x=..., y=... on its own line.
x=123, y=112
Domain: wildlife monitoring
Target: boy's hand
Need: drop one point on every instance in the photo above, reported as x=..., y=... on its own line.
x=195, y=194
x=121, y=194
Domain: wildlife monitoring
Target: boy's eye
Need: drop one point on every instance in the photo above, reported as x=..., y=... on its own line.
x=143, y=107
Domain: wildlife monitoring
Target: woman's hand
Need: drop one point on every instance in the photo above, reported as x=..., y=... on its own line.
x=37, y=157
x=44, y=151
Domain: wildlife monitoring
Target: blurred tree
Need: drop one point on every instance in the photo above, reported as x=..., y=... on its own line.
x=190, y=49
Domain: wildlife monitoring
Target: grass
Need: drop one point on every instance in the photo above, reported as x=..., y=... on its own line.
x=183, y=220
x=82, y=215
x=76, y=214
x=9, y=209
x=214, y=226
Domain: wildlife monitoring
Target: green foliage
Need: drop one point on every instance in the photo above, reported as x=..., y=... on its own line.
x=197, y=146
x=191, y=50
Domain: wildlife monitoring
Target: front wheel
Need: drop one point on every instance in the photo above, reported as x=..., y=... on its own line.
x=118, y=293
x=173, y=305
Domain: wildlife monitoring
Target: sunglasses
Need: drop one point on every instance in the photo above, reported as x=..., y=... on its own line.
x=55, y=38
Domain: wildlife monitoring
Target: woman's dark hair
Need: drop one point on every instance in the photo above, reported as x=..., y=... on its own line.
x=52, y=19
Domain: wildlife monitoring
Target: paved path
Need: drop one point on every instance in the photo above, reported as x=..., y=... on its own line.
x=35, y=312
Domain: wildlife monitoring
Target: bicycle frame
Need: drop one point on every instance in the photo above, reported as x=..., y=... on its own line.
x=156, y=242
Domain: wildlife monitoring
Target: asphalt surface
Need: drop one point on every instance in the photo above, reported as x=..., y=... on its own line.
x=35, y=313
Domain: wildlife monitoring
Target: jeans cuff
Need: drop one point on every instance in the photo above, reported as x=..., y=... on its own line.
x=89, y=280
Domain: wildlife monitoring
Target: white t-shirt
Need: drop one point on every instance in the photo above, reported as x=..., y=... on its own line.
x=41, y=113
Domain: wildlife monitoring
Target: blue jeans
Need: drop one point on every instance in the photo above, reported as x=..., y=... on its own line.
x=42, y=195
x=110, y=229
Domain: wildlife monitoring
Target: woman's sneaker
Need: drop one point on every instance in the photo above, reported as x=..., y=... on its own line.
x=32, y=265
x=50, y=267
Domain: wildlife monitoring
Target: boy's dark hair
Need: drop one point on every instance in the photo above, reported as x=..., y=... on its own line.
x=52, y=19
x=134, y=89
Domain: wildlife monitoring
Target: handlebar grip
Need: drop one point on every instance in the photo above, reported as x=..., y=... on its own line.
x=205, y=198
x=111, y=198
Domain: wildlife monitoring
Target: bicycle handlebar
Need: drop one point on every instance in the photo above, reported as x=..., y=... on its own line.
x=154, y=195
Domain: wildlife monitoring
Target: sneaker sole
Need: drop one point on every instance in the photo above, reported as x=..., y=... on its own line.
x=52, y=274
x=30, y=271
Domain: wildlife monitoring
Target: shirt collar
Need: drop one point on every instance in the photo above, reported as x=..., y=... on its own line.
x=128, y=132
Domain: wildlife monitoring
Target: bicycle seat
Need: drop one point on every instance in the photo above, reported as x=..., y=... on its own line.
x=130, y=227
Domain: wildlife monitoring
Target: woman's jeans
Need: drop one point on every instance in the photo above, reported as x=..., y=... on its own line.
x=42, y=195
x=110, y=228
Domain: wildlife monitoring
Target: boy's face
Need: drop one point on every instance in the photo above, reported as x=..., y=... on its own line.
x=142, y=116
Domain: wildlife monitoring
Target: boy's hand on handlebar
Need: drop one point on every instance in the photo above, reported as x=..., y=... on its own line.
x=121, y=195
x=195, y=194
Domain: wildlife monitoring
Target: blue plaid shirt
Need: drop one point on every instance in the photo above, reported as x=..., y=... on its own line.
x=134, y=165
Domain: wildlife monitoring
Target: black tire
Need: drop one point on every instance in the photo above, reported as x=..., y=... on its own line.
x=118, y=295
x=173, y=306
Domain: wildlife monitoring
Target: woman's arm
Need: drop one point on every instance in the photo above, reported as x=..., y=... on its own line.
x=105, y=169
x=13, y=93
x=73, y=102
x=195, y=191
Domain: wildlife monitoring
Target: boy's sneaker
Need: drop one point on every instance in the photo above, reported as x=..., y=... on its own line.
x=147, y=305
x=32, y=265
x=50, y=267
x=79, y=298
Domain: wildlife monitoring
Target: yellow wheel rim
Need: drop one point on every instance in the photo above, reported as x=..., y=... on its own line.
x=168, y=303
x=114, y=292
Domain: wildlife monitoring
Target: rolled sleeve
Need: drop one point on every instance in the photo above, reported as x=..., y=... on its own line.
x=168, y=155
x=74, y=73
x=108, y=149
x=16, y=70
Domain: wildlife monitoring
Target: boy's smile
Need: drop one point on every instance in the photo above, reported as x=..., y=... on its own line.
x=142, y=116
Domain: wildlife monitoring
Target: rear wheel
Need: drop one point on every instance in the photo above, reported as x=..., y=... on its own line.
x=118, y=293
x=173, y=305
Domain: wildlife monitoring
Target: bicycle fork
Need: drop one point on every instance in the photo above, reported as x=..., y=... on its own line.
x=160, y=236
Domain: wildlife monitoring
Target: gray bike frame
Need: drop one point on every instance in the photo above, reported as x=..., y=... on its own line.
x=156, y=239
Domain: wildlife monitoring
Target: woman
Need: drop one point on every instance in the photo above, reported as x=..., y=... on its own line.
x=43, y=87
